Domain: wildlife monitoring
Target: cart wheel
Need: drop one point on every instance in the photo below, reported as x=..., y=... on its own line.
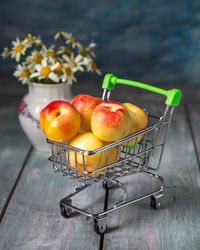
x=65, y=211
x=99, y=229
x=107, y=184
x=155, y=202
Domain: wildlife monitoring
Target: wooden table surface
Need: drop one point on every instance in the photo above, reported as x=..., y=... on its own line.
x=30, y=192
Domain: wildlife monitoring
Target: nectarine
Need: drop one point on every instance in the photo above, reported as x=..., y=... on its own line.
x=110, y=121
x=60, y=121
x=87, y=141
x=85, y=104
x=139, y=121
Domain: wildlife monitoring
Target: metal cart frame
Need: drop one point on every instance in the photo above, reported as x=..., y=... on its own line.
x=130, y=159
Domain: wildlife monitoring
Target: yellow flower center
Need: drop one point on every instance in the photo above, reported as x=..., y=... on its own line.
x=58, y=70
x=93, y=66
x=37, y=58
x=73, y=63
x=25, y=73
x=68, y=71
x=72, y=40
x=30, y=39
x=61, y=33
x=19, y=48
x=68, y=52
x=45, y=71
x=51, y=53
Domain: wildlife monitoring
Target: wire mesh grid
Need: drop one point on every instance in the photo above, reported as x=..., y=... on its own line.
x=127, y=156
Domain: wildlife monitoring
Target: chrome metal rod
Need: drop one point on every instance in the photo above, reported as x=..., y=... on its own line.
x=164, y=140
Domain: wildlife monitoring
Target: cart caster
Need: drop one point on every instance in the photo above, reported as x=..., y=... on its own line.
x=107, y=184
x=156, y=201
x=64, y=210
x=99, y=228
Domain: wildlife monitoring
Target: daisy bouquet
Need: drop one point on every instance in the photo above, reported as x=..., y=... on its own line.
x=59, y=63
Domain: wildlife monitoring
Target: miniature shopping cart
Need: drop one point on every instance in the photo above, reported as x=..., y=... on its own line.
x=130, y=159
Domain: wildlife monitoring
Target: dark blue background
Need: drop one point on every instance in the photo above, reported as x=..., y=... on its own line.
x=155, y=41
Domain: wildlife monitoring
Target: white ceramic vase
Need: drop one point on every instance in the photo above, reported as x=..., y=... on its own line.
x=39, y=95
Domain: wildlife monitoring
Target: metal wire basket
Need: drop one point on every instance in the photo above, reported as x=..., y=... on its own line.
x=128, y=159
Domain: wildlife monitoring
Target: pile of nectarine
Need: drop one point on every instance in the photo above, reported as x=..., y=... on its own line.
x=90, y=123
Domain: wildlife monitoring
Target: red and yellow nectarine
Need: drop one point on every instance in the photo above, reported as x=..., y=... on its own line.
x=60, y=121
x=85, y=104
x=110, y=121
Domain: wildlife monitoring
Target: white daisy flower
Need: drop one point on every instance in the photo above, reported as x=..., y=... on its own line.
x=91, y=65
x=50, y=52
x=32, y=39
x=5, y=52
x=89, y=49
x=45, y=71
x=22, y=73
x=36, y=57
x=59, y=69
x=68, y=74
x=61, y=34
x=64, y=50
x=19, y=48
x=76, y=63
x=71, y=40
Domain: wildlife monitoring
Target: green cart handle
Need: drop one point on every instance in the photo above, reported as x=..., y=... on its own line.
x=173, y=95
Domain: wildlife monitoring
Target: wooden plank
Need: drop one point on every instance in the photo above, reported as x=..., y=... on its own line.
x=176, y=224
x=33, y=220
x=14, y=147
x=193, y=118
